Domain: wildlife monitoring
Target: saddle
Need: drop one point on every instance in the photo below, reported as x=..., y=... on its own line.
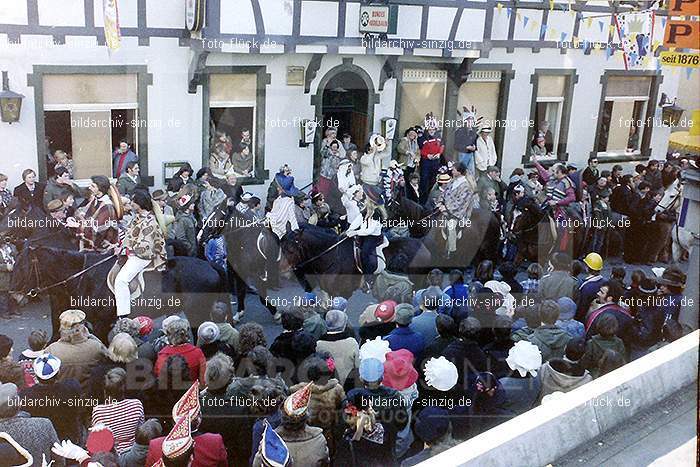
x=137, y=284
x=265, y=242
x=381, y=260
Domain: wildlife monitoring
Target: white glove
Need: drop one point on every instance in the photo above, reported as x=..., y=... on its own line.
x=70, y=451
x=351, y=233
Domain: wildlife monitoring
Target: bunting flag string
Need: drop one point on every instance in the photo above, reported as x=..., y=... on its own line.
x=499, y=7
x=509, y=11
x=525, y=20
x=601, y=25
x=635, y=31
x=551, y=5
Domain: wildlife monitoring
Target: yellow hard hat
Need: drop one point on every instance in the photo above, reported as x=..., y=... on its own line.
x=593, y=261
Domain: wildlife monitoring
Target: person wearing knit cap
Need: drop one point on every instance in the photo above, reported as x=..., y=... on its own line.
x=488, y=403
x=340, y=342
x=209, y=448
x=306, y=444
x=566, y=321
x=400, y=374
x=377, y=320
x=522, y=387
x=66, y=421
x=208, y=339
x=433, y=428
x=403, y=337
x=100, y=441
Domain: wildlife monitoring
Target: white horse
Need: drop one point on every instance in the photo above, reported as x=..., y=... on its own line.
x=680, y=236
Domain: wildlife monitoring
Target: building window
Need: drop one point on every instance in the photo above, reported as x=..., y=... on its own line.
x=622, y=121
x=86, y=116
x=481, y=91
x=232, y=124
x=549, y=104
x=422, y=92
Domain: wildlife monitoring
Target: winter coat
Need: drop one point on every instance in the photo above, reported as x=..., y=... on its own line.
x=404, y=337
x=586, y=294
x=222, y=413
x=561, y=376
x=550, y=340
x=596, y=347
x=36, y=435
x=467, y=356
x=184, y=229
x=557, y=284
x=345, y=352
x=126, y=184
x=307, y=447
x=77, y=358
x=485, y=155
x=292, y=347
x=55, y=190
x=134, y=457
x=521, y=393
x=325, y=403
x=572, y=327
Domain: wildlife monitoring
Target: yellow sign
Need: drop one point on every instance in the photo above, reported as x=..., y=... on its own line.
x=680, y=59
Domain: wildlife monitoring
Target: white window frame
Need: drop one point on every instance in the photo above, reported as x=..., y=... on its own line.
x=643, y=126
x=85, y=182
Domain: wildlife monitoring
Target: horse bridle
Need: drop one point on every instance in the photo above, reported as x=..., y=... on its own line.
x=33, y=292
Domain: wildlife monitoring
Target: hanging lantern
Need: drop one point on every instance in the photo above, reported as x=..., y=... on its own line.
x=10, y=102
x=670, y=112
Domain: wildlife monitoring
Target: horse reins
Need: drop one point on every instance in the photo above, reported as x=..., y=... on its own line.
x=35, y=266
x=304, y=263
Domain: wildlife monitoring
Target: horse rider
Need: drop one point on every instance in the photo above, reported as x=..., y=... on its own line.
x=144, y=248
x=559, y=194
x=97, y=223
x=456, y=204
x=280, y=219
x=366, y=226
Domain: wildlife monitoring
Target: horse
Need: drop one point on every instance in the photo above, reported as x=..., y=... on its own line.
x=245, y=259
x=319, y=256
x=78, y=279
x=534, y=233
x=680, y=236
x=479, y=236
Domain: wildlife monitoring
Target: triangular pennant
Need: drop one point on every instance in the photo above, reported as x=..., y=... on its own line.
x=688, y=72
x=534, y=25
x=508, y=12
x=562, y=38
x=551, y=4
x=601, y=25
x=525, y=21
x=663, y=23
x=499, y=7
x=589, y=21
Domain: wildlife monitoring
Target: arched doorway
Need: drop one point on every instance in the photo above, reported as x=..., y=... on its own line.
x=344, y=106
x=345, y=99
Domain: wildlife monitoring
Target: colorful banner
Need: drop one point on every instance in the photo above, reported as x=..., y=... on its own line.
x=635, y=31
x=113, y=37
x=682, y=34
x=679, y=59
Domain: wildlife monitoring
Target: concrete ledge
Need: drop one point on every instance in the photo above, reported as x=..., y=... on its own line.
x=545, y=433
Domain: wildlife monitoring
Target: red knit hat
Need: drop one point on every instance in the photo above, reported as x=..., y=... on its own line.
x=100, y=439
x=385, y=311
x=398, y=370
x=146, y=325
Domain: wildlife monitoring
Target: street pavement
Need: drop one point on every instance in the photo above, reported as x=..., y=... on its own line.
x=663, y=435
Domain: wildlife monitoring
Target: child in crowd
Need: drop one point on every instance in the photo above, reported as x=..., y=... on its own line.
x=578, y=268
x=566, y=321
x=227, y=333
x=526, y=324
x=531, y=285
x=8, y=253
x=508, y=272
x=136, y=455
x=37, y=340
x=548, y=337
x=459, y=296
x=605, y=339
x=10, y=371
x=618, y=275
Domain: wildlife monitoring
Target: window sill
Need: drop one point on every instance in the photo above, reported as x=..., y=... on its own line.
x=621, y=156
x=548, y=162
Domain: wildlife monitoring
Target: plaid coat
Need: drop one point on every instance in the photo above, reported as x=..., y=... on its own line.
x=98, y=231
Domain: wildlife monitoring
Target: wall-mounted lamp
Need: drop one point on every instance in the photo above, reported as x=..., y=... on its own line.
x=670, y=112
x=10, y=102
